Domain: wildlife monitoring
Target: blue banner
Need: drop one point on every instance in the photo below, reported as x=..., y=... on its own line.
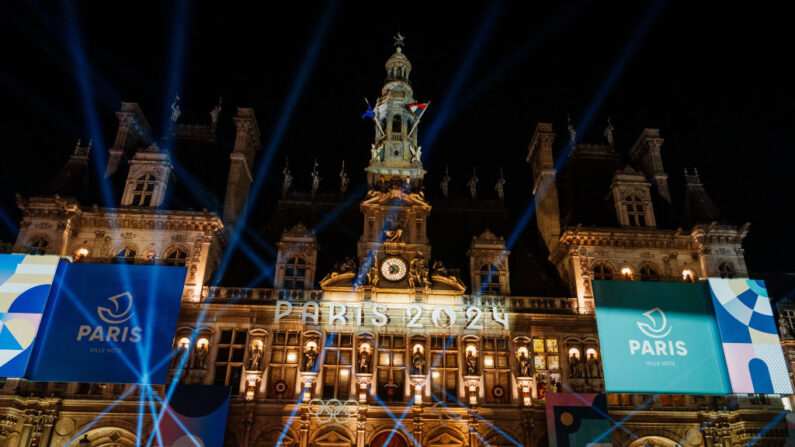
x=659, y=337
x=108, y=323
x=25, y=282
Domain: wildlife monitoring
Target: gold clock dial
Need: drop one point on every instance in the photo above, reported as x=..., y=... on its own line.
x=393, y=269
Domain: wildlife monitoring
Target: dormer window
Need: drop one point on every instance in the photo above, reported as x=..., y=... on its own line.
x=602, y=271
x=295, y=273
x=490, y=279
x=38, y=246
x=636, y=210
x=176, y=257
x=397, y=124
x=144, y=187
x=647, y=273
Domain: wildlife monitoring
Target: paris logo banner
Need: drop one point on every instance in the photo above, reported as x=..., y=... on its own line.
x=25, y=282
x=108, y=323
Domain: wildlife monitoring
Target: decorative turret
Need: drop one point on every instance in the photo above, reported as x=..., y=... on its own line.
x=395, y=153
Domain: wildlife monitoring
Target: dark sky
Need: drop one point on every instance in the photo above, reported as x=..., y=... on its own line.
x=715, y=80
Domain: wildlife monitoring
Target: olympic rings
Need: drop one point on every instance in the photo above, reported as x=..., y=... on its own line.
x=333, y=409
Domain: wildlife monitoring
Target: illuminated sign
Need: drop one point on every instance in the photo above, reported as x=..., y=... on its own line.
x=659, y=337
x=749, y=337
x=378, y=314
x=109, y=323
x=25, y=282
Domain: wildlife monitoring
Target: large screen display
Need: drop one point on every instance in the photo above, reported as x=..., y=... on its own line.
x=659, y=337
x=108, y=323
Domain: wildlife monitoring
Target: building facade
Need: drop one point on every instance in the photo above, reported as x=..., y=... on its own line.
x=428, y=312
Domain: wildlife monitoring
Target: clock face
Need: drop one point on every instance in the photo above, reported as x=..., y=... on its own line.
x=393, y=269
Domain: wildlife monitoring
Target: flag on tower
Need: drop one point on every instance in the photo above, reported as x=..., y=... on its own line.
x=369, y=113
x=417, y=109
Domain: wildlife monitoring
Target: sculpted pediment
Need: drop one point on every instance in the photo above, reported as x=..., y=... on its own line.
x=445, y=440
x=333, y=438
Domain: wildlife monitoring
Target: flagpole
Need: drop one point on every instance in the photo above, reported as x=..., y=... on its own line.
x=419, y=118
x=374, y=120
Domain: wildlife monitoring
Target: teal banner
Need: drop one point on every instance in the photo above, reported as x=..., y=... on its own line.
x=659, y=337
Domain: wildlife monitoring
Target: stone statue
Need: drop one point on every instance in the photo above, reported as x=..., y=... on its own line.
x=473, y=185
x=609, y=132
x=315, y=179
x=471, y=364
x=255, y=358
x=395, y=234
x=418, y=272
x=418, y=361
x=364, y=362
x=573, y=368
x=216, y=112
x=500, y=187
x=524, y=365
x=200, y=359
x=310, y=355
x=783, y=327
x=376, y=152
x=348, y=265
x=177, y=355
x=593, y=369
x=175, y=110
x=343, y=179
x=372, y=273
x=439, y=269
x=445, y=184
x=288, y=178
x=572, y=132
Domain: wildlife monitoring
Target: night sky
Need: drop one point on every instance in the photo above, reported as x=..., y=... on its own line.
x=716, y=81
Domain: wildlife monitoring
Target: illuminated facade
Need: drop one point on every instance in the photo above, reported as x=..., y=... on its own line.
x=428, y=318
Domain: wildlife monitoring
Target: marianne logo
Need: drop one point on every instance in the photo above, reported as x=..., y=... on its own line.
x=116, y=317
x=653, y=330
x=116, y=333
x=658, y=329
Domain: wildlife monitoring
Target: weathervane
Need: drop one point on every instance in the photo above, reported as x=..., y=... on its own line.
x=399, y=41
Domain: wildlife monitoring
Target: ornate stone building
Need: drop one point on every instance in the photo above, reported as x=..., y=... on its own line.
x=431, y=312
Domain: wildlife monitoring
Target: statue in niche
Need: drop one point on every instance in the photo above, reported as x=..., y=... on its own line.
x=473, y=185
x=500, y=187
x=372, y=273
x=783, y=327
x=315, y=179
x=364, y=361
x=418, y=361
x=310, y=356
x=288, y=178
x=395, y=234
x=255, y=358
x=175, y=110
x=592, y=366
x=344, y=180
x=445, y=183
x=177, y=355
x=524, y=364
x=471, y=363
x=609, y=132
x=200, y=358
x=216, y=112
x=574, y=369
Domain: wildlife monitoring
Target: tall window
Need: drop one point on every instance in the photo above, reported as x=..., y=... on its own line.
x=622, y=399
x=391, y=367
x=636, y=210
x=229, y=359
x=38, y=246
x=177, y=257
x=602, y=271
x=397, y=124
x=497, y=373
x=725, y=270
x=126, y=255
x=337, y=366
x=545, y=354
x=295, y=273
x=144, y=187
x=444, y=368
x=283, y=365
x=490, y=279
x=647, y=273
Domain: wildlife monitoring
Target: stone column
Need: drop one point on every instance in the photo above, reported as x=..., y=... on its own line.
x=24, y=438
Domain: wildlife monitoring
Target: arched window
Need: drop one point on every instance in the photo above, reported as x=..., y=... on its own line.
x=144, y=187
x=636, y=210
x=602, y=271
x=295, y=274
x=38, y=246
x=490, y=279
x=126, y=255
x=177, y=257
x=647, y=273
x=725, y=270
x=397, y=124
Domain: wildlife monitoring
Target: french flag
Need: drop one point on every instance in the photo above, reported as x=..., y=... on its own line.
x=417, y=109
